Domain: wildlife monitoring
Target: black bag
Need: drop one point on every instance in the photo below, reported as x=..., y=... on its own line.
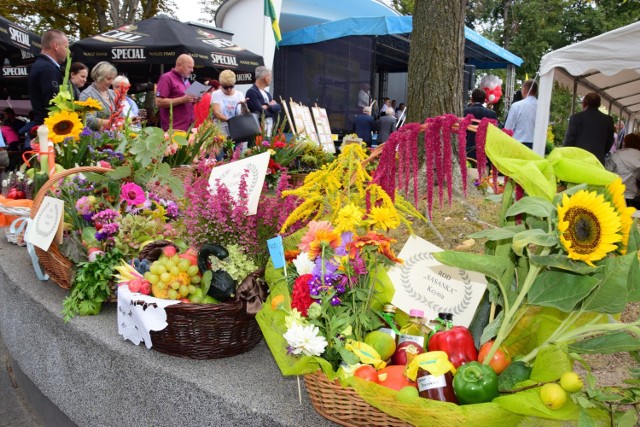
x=244, y=126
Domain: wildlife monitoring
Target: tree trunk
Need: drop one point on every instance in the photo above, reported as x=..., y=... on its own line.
x=436, y=59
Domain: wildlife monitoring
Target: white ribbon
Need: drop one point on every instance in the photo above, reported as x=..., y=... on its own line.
x=25, y=224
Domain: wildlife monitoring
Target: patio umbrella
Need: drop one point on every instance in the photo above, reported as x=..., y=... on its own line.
x=144, y=50
x=18, y=48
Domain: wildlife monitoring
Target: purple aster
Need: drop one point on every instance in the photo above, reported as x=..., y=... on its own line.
x=346, y=238
x=330, y=268
x=335, y=301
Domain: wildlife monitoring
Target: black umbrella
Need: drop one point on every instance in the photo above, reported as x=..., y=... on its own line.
x=147, y=48
x=18, y=48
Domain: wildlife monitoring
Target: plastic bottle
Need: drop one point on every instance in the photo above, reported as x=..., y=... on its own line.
x=415, y=330
x=388, y=315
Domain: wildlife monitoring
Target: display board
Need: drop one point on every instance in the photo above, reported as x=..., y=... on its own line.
x=323, y=128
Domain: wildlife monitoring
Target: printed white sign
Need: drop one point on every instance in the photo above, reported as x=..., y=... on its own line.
x=47, y=224
x=424, y=283
x=231, y=174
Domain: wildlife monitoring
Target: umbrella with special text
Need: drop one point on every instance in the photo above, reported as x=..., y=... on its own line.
x=147, y=48
x=18, y=48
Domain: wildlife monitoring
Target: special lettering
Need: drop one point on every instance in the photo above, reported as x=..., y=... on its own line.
x=15, y=72
x=128, y=53
x=219, y=59
x=221, y=43
x=19, y=37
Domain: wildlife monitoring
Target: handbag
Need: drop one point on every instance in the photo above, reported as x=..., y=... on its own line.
x=244, y=126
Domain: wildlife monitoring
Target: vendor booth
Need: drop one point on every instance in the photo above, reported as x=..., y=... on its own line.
x=606, y=64
x=18, y=48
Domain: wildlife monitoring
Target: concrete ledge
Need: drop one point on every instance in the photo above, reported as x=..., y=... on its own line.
x=96, y=378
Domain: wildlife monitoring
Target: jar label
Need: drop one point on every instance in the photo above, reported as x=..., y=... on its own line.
x=388, y=331
x=429, y=381
x=413, y=338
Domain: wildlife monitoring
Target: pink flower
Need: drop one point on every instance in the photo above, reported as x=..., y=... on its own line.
x=104, y=164
x=314, y=228
x=132, y=194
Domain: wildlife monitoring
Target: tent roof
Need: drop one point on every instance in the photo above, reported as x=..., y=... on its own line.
x=480, y=51
x=606, y=64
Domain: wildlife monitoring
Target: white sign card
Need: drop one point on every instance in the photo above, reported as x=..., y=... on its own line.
x=309, y=126
x=298, y=119
x=231, y=174
x=324, y=130
x=47, y=224
x=424, y=283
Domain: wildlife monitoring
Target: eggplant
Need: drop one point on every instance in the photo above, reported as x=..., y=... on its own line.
x=206, y=251
x=222, y=286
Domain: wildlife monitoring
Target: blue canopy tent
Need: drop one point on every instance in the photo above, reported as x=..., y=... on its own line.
x=328, y=63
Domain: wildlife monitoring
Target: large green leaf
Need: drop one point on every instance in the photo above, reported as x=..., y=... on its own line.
x=528, y=402
x=563, y=262
x=501, y=233
x=533, y=173
x=633, y=282
x=551, y=362
x=573, y=164
x=534, y=236
x=560, y=289
x=610, y=296
x=605, y=344
x=119, y=172
x=536, y=206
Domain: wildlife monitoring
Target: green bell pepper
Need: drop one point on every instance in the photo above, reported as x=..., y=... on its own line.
x=475, y=383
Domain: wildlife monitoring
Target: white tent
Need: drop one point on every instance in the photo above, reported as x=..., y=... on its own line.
x=608, y=64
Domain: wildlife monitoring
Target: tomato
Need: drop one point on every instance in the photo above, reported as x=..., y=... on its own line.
x=500, y=359
x=367, y=373
x=393, y=377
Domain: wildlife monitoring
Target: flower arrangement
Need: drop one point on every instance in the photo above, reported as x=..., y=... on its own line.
x=214, y=214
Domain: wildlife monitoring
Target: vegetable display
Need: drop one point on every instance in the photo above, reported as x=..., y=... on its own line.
x=475, y=383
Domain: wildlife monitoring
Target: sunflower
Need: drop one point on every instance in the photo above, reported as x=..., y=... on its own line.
x=63, y=125
x=90, y=104
x=589, y=226
x=616, y=190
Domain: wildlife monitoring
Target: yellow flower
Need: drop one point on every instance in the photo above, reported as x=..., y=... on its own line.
x=90, y=104
x=589, y=226
x=63, y=125
x=383, y=218
x=349, y=218
x=616, y=190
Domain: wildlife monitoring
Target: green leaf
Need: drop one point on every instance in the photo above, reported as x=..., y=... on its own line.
x=610, y=296
x=585, y=420
x=491, y=330
x=497, y=233
x=628, y=419
x=536, y=206
x=606, y=344
x=551, y=362
x=563, y=262
x=572, y=164
x=534, y=236
x=119, y=172
x=528, y=402
x=94, y=177
x=560, y=289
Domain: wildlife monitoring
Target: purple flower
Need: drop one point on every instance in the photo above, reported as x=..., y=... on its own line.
x=106, y=215
x=335, y=301
x=358, y=264
x=346, y=238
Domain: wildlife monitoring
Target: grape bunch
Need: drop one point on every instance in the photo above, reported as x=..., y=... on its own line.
x=172, y=277
x=141, y=266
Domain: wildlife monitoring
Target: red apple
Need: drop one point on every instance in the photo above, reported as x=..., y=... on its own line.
x=405, y=352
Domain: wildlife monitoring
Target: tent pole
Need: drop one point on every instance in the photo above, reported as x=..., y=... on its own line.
x=573, y=96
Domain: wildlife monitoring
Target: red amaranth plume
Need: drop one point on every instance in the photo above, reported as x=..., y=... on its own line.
x=462, y=149
x=481, y=140
x=449, y=121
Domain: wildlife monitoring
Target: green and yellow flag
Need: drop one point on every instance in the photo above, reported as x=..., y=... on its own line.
x=270, y=11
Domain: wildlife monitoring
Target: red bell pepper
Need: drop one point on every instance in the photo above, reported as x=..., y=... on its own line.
x=457, y=342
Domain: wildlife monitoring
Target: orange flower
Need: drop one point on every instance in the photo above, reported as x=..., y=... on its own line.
x=373, y=239
x=291, y=255
x=324, y=238
x=314, y=227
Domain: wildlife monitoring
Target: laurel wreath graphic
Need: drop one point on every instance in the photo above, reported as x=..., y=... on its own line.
x=411, y=292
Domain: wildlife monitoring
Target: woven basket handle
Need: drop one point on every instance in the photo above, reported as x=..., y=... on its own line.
x=57, y=177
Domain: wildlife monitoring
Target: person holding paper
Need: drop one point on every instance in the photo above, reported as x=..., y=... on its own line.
x=171, y=93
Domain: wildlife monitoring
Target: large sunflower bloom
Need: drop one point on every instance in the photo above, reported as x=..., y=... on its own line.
x=63, y=125
x=90, y=104
x=616, y=190
x=589, y=227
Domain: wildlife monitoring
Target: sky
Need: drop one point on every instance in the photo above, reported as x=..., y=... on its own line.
x=188, y=10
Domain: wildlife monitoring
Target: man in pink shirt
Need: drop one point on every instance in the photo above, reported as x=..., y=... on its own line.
x=170, y=94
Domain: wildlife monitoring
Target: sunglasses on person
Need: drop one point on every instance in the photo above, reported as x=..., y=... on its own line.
x=227, y=87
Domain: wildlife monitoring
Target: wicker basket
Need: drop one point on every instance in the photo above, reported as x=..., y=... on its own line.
x=343, y=405
x=57, y=266
x=15, y=237
x=207, y=331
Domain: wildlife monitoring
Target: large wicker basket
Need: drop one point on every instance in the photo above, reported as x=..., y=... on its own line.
x=207, y=331
x=57, y=266
x=343, y=405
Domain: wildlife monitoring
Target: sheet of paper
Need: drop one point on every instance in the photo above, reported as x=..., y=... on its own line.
x=47, y=224
x=197, y=89
x=231, y=174
x=422, y=282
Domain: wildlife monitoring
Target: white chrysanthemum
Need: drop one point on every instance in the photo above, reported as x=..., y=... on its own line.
x=305, y=340
x=303, y=264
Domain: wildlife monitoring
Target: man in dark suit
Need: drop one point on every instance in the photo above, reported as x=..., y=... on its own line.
x=590, y=129
x=260, y=101
x=365, y=125
x=478, y=111
x=386, y=125
x=45, y=76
